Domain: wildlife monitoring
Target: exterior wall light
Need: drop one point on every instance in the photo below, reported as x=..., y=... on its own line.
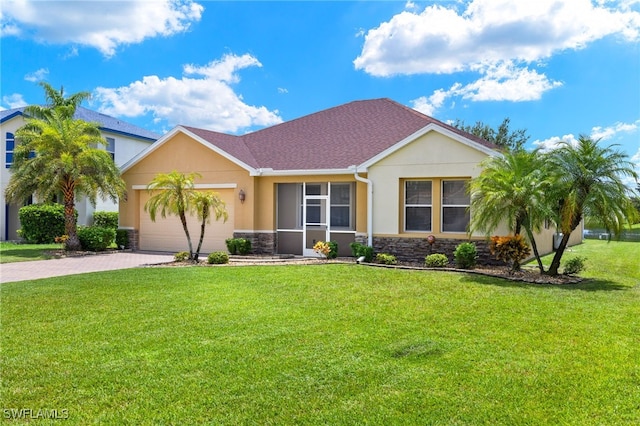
x=242, y=196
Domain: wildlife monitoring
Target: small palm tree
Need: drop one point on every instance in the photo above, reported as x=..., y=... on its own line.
x=203, y=204
x=589, y=183
x=512, y=188
x=60, y=155
x=174, y=193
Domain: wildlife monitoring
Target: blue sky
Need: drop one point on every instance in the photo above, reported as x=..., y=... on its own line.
x=555, y=68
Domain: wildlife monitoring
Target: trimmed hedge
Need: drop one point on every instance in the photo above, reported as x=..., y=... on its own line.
x=96, y=238
x=240, y=246
x=105, y=219
x=42, y=223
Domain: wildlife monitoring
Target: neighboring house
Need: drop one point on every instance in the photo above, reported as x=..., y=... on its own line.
x=371, y=171
x=124, y=141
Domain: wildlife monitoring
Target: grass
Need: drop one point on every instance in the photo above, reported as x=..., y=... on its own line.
x=326, y=344
x=11, y=252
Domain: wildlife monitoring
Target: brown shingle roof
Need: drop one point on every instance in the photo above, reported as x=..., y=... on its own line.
x=335, y=138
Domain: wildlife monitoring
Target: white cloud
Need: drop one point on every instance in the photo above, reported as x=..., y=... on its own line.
x=598, y=132
x=554, y=142
x=14, y=101
x=499, y=82
x=503, y=41
x=442, y=40
x=605, y=133
x=202, y=97
x=103, y=25
x=38, y=75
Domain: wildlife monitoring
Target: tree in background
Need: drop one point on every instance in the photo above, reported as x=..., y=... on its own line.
x=502, y=137
x=57, y=154
x=512, y=188
x=174, y=193
x=588, y=183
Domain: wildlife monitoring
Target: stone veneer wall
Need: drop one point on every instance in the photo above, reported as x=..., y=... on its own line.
x=416, y=249
x=134, y=239
x=261, y=242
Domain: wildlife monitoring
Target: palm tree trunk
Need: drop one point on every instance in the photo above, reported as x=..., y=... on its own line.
x=68, y=192
x=534, y=247
x=183, y=219
x=202, y=228
x=555, y=263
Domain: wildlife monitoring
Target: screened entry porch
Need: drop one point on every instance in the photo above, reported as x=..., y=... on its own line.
x=310, y=212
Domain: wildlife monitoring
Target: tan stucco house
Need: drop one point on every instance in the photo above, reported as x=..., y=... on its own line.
x=371, y=171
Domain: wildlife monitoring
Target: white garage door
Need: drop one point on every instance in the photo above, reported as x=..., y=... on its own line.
x=168, y=235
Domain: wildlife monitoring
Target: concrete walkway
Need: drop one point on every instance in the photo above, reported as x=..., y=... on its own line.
x=21, y=271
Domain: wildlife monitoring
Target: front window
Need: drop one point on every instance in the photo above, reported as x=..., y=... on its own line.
x=455, y=206
x=417, y=205
x=341, y=205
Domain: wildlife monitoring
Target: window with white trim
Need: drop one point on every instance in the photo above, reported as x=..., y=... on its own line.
x=455, y=206
x=10, y=144
x=111, y=147
x=417, y=205
x=341, y=217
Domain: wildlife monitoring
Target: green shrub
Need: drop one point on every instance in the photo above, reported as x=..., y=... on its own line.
x=240, y=246
x=386, y=259
x=122, y=238
x=244, y=246
x=96, y=238
x=436, y=260
x=465, y=255
x=181, y=256
x=359, y=250
x=218, y=258
x=575, y=265
x=333, y=250
x=42, y=223
x=105, y=219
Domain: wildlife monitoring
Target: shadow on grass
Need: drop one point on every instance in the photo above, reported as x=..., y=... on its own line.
x=23, y=254
x=589, y=284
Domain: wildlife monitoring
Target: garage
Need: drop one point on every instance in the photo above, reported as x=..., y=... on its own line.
x=167, y=234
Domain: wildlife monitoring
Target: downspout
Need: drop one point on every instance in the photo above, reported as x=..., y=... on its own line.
x=369, y=205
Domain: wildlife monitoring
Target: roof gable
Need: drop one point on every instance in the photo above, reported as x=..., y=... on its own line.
x=358, y=133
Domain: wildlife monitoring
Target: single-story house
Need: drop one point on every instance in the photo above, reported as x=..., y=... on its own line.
x=124, y=140
x=371, y=171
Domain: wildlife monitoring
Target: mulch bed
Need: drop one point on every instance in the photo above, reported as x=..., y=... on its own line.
x=528, y=275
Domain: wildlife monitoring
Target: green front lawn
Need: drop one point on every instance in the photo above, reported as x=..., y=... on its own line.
x=325, y=344
x=12, y=252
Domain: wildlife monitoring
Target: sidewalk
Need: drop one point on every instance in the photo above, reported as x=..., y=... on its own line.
x=21, y=271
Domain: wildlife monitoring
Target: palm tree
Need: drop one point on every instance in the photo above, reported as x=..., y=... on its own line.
x=589, y=183
x=175, y=194
x=511, y=188
x=56, y=99
x=59, y=154
x=203, y=204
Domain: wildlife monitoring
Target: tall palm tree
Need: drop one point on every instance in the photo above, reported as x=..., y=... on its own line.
x=60, y=155
x=589, y=183
x=174, y=193
x=512, y=188
x=56, y=99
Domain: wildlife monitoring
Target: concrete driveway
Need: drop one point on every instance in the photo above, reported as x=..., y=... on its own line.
x=22, y=271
